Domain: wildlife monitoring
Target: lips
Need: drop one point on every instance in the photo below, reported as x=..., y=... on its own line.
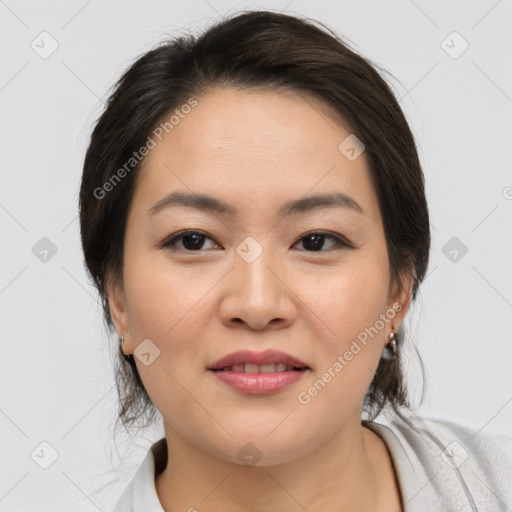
x=258, y=362
x=262, y=368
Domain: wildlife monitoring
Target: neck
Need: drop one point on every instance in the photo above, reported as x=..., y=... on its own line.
x=351, y=471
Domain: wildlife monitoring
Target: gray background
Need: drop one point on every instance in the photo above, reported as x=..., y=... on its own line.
x=57, y=384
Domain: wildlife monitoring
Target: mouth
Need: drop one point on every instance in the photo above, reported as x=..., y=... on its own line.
x=258, y=373
x=259, y=379
x=263, y=368
x=268, y=361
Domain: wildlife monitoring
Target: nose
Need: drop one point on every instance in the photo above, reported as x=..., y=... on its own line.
x=258, y=295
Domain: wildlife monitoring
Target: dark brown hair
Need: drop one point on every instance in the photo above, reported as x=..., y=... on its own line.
x=264, y=50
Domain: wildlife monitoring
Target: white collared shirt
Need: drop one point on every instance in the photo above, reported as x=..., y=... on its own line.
x=445, y=467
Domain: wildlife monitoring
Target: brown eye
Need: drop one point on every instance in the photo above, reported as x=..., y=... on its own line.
x=191, y=241
x=315, y=242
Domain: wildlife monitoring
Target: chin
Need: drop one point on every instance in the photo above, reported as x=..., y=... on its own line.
x=254, y=450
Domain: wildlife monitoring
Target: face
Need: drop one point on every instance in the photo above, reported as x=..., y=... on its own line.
x=312, y=282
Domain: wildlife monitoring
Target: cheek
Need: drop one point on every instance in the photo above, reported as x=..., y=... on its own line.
x=350, y=305
x=162, y=297
x=351, y=298
x=169, y=307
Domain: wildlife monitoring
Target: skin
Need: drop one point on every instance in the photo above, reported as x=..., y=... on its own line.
x=255, y=150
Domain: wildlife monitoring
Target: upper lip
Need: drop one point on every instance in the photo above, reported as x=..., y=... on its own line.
x=259, y=358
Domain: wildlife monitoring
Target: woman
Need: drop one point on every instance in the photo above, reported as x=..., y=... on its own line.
x=253, y=215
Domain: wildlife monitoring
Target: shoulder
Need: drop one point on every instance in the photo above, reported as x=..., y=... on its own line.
x=473, y=466
x=455, y=442
x=124, y=502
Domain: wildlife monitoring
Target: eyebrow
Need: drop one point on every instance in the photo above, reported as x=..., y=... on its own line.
x=208, y=203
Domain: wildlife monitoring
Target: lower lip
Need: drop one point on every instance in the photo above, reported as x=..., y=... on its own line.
x=259, y=383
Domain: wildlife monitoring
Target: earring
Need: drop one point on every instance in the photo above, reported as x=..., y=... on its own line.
x=390, y=352
x=127, y=357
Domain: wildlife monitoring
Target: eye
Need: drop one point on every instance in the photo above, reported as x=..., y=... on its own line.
x=192, y=241
x=315, y=241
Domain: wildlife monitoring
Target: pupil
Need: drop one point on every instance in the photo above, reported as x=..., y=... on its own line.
x=317, y=242
x=197, y=244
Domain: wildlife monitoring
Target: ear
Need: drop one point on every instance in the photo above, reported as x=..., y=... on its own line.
x=401, y=293
x=118, y=311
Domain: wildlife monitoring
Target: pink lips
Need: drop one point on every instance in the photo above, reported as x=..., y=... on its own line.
x=259, y=358
x=258, y=383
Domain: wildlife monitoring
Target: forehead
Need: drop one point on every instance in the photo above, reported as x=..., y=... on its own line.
x=262, y=124
x=253, y=144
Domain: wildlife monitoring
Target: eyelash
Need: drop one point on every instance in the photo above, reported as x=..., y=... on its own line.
x=170, y=243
